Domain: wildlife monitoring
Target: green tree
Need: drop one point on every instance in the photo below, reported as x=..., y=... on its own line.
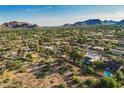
x=121, y=62
x=89, y=70
x=76, y=80
x=119, y=75
x=29, y=57
x=99, y=64
x=62, y=85
x=75, y=56
x=107, y=82
x=14, y=65
x=90, y=82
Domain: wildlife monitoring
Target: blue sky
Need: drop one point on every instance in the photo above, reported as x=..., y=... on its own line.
x=52, y=15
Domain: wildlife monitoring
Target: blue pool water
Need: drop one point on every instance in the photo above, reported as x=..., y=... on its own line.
x=107, y=74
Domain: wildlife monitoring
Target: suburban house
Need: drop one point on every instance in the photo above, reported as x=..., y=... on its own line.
x=97, y=48
x=111, y=67
x=49, y=47
x=90, y=58
x=121, y=41
x=92, y=54
x=110, y=40
x=119, y=49
x=118, y=52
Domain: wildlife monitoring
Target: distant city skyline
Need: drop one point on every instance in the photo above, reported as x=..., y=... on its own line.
x=55, y=15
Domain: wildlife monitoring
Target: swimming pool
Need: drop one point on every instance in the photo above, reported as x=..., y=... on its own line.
x=107, y=74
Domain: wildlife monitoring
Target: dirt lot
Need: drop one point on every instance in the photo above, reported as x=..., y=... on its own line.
x=33, y=77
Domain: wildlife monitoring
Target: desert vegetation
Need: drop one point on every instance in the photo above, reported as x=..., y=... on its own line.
x=53, y=57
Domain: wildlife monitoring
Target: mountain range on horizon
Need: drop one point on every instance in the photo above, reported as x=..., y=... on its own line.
x=89, y=22
x=94, y=22
x=16, y=24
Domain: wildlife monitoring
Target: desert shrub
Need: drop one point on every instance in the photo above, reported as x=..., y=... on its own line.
x=63, y=70
x=15, y=84
x=119, y=75
x=6, y=80
x=29, y=57
x=2, y=69
x=122, y=70
x=89, y=70
x=90, y=82
x=107, y=82
x=121, y=62
x=43, y=74
x=83, y=85
x=45, y=69
x=99, y=64
x=119, y=85
x=76, y=80
x=81, y=63
x=62, y=85
x=22, y=70
x=48, y=64
x=14, y=65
